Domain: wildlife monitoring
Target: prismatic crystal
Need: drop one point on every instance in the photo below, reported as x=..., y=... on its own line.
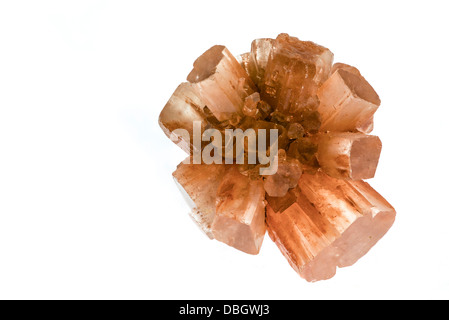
x=286, y=100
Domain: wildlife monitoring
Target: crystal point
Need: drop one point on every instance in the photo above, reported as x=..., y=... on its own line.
x=332, y=224
x=198, y=184
x=240, y=212
x=347, y=155
x=247, y=62
x=280, y=204
x=347, y=102
x=294, y=71
x=182, y=109
x=288, y=173
x=222, y=82
x=260, y=53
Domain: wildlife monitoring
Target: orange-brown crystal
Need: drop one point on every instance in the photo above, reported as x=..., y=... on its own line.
x=315, y=207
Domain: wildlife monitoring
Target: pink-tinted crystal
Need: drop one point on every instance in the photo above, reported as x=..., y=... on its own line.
x=221, y=81
x=250, y=106
x=198, y=184
x=280, y=204
x=347, y=102
x=184, y=107
x=286, y=177
x=346, y=67
x=247, y=63
x=260, y=53
x=347, y=155
x=294, y=71
x=240, y=213
x=332, y=224
x=368, y=125
x=295, y=131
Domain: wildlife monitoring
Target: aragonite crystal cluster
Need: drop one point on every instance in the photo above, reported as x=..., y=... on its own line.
x=316, y=206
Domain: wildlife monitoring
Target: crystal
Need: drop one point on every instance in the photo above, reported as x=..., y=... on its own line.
x=295, y=131
x=347, y=155
x=314, y=204
x=260, y=53
x=198, y=184
x=250, y=106
x=247, y=63
x=347, y=102
x=332, y=224
x=305, y=150
x=368, y=125
x=280, y=204
x=294, y=71
x=240, y=212
x=287, y=176
x=184, y=107
x=264, y=108
x=347, y=67
x=222, y=83
x=255, y=62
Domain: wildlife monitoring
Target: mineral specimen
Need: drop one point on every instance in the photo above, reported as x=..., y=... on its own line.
x=221, y=81
x=348, y=155
x=294, y=71
x=287, y=176
x=199, y=184
x=226, y=204
x=183, y=108
x=347, y=102
x=240, y=212
x=332, y=224
x=260, y=53
x=312, y=119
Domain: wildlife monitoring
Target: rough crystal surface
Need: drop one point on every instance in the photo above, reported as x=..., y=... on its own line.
x=347, y=102
x=343, y=66
x=368, y=125
x=247, y=62
x=250, y=107
x=260, y=54
x=294, y=71
x=347, y=155
x=332, y=224
x=287, y=176
x=240, y=213
x=198, y=184
x=182, y=109
x=221, y=81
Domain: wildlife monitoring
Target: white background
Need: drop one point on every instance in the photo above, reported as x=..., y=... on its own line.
x=88, y=208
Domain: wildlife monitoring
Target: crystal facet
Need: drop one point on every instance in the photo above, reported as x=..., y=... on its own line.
x=199, y=184
x=347, y=155
x=332, y=224
x=247, y=62
x=294, y=71
x=240, y=215
x=222, y=82
x=260, y=53
x=347, y=102
x=184, y=107
x=287, y=176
